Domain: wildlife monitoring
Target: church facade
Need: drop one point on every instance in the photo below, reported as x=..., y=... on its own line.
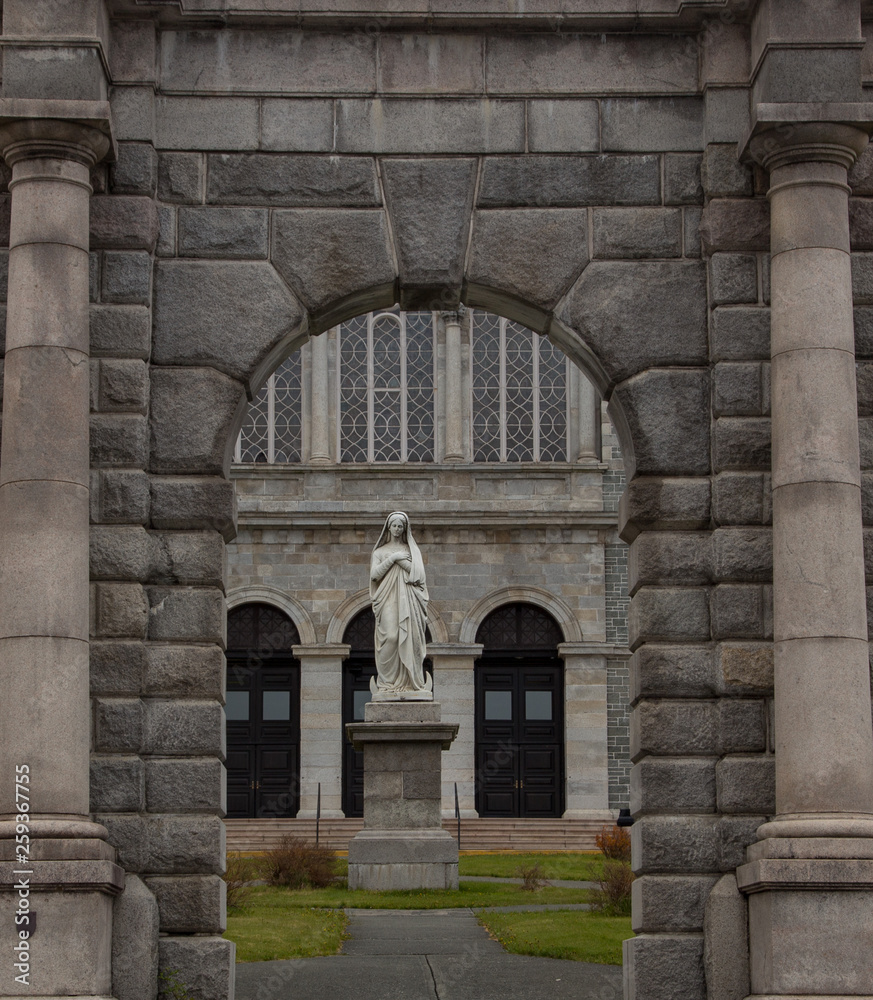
x=498, y=449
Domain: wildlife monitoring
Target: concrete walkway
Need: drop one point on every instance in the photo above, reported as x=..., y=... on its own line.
x=424, y=955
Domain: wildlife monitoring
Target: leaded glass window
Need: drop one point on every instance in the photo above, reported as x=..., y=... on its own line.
x=386, y=388
x=260, y=627
x=519, y=626
x=272, y=431
x=384, y=366
x=519, y=393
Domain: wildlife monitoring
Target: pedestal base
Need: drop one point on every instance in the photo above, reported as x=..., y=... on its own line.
x=403, y=844
x=810, y=916
x=403, y=859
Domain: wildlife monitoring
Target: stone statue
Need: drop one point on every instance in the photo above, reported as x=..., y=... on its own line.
x=399, y=595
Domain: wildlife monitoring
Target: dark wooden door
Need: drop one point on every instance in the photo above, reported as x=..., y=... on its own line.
x=263, y=737
x=357, y=672
x=519, y=736
x=263, y=713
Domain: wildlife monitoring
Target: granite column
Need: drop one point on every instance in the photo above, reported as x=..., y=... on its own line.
x=810, y=877
x=44, y=620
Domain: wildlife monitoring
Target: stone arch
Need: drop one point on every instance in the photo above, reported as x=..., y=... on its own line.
x=528, y=595
x=278, y=599
x=636, y=328
x=353, y=605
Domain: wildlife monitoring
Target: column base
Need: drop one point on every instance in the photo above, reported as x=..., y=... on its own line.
x=810, y=916
x=71, y=942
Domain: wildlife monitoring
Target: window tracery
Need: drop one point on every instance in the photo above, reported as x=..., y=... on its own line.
x=386, y=387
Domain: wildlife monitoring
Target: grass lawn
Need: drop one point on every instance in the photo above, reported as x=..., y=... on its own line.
x=573, y=934
x=271, y=927
x=469, y=894
x=564, y=865
x=573, y=865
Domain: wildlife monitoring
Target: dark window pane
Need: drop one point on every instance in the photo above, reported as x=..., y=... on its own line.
x=237, y=707
x=498, y=705
x=538, y=705
x=361, y=699
x=277, y=706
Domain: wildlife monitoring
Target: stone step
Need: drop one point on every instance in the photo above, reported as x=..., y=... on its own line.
x=476, y=834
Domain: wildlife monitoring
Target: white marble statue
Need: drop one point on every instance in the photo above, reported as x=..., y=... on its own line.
x=399, y=594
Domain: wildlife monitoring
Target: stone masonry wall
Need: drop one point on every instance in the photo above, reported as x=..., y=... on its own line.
x=325, y=566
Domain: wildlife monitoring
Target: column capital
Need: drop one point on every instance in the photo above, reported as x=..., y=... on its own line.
x=781, y=134
x=453, y=315
x=69, y=130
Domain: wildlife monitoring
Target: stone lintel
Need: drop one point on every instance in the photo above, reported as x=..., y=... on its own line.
x=775, y=127
x=63, y=876
x=447, y=652
x=326, y=651
x=58, y=120
x=820, y=873
x=568, y=649
x=401, y=732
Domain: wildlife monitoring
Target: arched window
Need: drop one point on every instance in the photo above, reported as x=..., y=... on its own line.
x=519, y=627
x=387, y=398
x=388, y=382
x=263, y=713
x=519, y=394
x=273, y=428
x=519, y=682
x=260, y=628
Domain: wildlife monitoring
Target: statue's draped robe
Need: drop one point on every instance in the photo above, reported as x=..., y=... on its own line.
x=400, y=608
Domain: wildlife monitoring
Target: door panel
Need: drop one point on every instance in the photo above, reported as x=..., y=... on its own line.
x=519, y=736
x=356, y=693
x=263, y=737
x=240, y=768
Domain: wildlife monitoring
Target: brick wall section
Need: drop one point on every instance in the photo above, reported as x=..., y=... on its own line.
x=618, y=674
x=615, y=580
x=618, y=740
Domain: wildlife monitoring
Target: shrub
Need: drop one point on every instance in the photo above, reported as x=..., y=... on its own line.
x=532, y=876
x=171, y=987
x=614, y=843
x=299, y=865
x=238, y=876
x=613, y=894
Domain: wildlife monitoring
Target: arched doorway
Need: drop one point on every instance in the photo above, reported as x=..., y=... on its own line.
x=519, y=707
x=263, y=713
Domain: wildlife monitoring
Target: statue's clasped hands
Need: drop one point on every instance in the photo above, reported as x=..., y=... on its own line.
x=404, y=560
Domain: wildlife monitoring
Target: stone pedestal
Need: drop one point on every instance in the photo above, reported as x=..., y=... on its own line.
x=402, y=844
